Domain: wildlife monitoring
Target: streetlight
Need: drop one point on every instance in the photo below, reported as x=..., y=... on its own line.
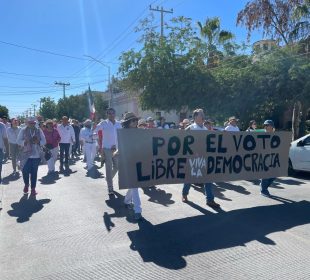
x=109, y=77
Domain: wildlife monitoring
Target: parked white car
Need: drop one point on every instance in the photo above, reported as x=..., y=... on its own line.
x=299, y=155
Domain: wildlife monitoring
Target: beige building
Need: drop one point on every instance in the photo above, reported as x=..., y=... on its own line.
x=123, y=102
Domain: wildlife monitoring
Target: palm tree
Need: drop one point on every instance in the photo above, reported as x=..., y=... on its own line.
x=215, y=38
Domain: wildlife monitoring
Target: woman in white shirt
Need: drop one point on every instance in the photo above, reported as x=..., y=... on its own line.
x=12, y=137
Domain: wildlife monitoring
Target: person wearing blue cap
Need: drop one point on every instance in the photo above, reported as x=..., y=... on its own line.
x=265, y=183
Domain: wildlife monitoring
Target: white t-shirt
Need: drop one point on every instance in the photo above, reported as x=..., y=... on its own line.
x=12, y=134
x=195, y=126
x=66, y=133
x=109, y=133
x=232, y=128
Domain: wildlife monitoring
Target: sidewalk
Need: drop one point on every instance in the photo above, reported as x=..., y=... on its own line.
x=72, y=230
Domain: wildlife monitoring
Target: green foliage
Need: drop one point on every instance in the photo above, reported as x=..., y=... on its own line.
x=48, y=108
x=174, y=73
x=4, y=111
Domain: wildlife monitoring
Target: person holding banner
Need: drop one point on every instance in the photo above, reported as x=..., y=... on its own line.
x=109, y=129
x=265, y=183
x=232, y=124
x=132, y=196
x=198, y=116
x=252, y=126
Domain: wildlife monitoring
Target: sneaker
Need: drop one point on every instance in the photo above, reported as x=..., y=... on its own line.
x=26, y=189
x=184, y=198
x=213, y=204
x=265, y=193
x=128, y=205
x=33, y=192
x=138, y=217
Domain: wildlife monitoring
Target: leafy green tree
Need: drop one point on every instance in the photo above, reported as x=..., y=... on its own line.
x=4, y=111
x=215, y=38
x=48, y=108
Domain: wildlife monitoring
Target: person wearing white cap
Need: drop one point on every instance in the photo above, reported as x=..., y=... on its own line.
x=265, y=183
x=30, y=139
x=88, y=138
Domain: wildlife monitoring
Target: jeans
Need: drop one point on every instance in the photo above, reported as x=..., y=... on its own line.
x=1, y=159
x=265, y=183
x=31, y=169
x=64, y=150
x=75, y=147
x=207, y=190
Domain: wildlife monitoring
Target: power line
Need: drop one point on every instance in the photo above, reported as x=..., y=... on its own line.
x=162, y=11
x=42, y=51
x=43, y=76
x=26, y=93
x=112, y=45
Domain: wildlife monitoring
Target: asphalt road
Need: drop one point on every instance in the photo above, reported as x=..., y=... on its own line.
x=72, y=230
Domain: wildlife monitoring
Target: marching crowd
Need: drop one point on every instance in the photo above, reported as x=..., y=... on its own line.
x=33, y=142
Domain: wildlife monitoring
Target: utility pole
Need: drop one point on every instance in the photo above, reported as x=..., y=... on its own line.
x=40, y=101
x=162, y=11
x=63, y=86
x=34, y=109
x=29, y=110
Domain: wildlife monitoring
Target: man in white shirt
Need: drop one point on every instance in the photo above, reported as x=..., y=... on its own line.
x=109, y=129
x=88, y=138
x=67, y=135
x=198, y=124
x=232, y=124
x=3, y=144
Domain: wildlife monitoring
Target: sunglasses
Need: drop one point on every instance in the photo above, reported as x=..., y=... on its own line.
x=111, y=113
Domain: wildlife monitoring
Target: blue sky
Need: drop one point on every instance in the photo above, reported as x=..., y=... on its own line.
x=75, y=28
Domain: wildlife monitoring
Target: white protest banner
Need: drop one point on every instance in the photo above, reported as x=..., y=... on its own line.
x=158, y=156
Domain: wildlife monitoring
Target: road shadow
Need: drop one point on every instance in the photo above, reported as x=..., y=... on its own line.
x=168, y=243
x=94, y=173
x=10, y=178
x=26, y=207
x=158, y=195
x=67, y=172
x=287, y=181
x=50, y=179
x=116, y=202
x=220, y=188
x=203, y=210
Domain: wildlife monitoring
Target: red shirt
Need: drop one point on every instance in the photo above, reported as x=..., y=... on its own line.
x=52, y=137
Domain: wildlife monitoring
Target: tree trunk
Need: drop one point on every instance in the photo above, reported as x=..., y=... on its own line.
x=296, y=120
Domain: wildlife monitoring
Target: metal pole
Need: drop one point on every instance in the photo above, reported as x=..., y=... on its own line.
x=109, y=78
